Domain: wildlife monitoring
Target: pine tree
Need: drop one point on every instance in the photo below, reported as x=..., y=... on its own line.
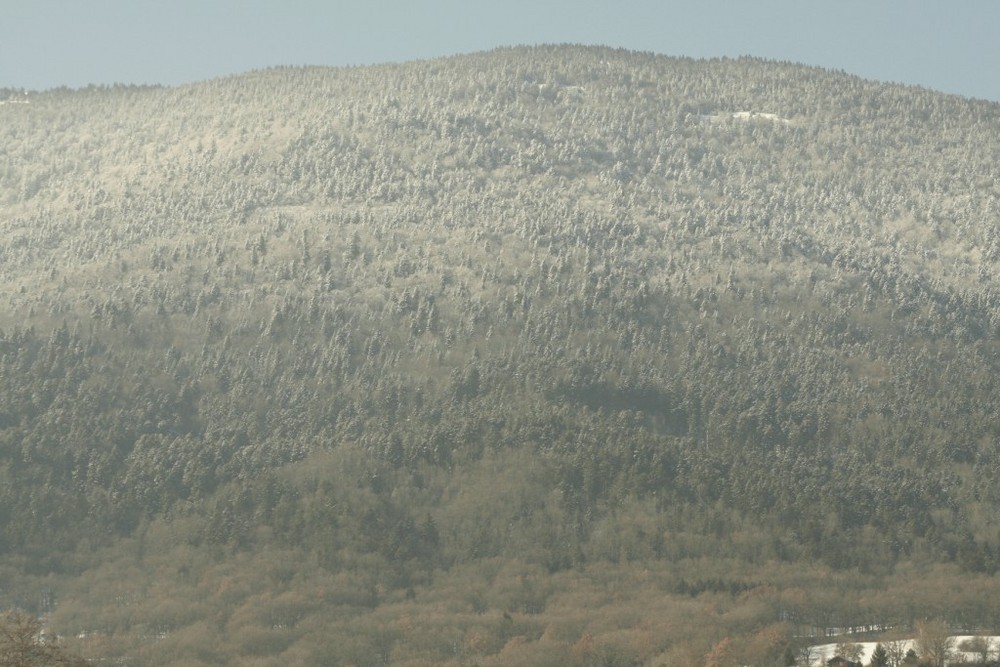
x=880, y=658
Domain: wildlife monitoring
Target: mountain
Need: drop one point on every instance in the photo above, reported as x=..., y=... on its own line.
x=553, y=355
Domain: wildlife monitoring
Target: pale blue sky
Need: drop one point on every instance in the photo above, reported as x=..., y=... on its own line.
x=947, y=45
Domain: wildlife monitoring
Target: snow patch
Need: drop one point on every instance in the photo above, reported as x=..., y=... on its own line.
x=819, y=654
x=745, y=116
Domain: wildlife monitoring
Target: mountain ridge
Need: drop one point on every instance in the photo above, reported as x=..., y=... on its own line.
x=489, y=329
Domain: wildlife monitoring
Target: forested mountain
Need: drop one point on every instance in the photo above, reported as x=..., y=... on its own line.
x=553, y=355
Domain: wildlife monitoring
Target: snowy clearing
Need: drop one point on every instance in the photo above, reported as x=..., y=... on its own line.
x=745, y=116
x=819, y=654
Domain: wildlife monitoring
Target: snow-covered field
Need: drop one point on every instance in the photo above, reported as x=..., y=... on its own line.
x=821, y=653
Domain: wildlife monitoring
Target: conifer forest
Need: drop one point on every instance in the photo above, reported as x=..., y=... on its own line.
x=551, y=355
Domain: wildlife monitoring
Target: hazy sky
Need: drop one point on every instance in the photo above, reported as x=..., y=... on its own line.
x=947, y=45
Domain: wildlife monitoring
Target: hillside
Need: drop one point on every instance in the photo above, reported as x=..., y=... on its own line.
x=537, y=356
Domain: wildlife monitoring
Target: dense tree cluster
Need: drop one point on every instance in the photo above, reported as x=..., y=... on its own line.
x=23, y=643
x=563, y=307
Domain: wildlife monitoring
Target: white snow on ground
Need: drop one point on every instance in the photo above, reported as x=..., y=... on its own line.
x=823, y=652
x=820, y=654
x=745, y=116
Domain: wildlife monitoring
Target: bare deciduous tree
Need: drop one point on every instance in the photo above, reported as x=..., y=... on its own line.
x=22, y=644
x=934, y=643
x=895, y=651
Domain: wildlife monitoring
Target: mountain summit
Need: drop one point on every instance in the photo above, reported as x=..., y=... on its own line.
x=558, y=353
